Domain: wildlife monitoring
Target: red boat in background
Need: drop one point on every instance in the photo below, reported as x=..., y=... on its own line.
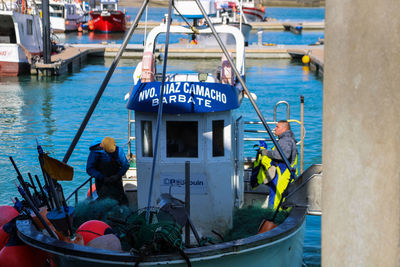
x=108, y=18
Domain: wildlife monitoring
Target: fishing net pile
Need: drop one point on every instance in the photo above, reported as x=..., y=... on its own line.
x=246, y=221
x=161, y=234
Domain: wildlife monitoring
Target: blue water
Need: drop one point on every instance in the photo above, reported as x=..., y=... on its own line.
x=50, y=109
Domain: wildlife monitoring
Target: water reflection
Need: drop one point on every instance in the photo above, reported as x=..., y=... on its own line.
x=11, y=104
x=95, y=36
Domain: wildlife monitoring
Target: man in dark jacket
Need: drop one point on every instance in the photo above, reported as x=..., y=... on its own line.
x=107, y=163
x=287, y=142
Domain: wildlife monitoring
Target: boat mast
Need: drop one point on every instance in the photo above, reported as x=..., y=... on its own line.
x=160, y=109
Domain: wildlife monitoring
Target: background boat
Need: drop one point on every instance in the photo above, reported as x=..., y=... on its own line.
x=108, y=18
x=20, y=39
x=65, y=15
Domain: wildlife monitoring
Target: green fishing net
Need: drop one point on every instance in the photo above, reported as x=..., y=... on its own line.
x=161, y=234
x=246, y=221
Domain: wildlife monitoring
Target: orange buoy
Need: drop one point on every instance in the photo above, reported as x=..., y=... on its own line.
x=93, y=229
x=94, y=193
x=80, y=28
x=266, y=226
x=7, y=213
x=90, y=25
x=22, y=256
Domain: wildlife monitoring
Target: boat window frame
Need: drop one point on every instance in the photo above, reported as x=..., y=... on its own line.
x=214, y=146
x=149, y=154
x=197, y=151
x=226, y=116
x=29, y=26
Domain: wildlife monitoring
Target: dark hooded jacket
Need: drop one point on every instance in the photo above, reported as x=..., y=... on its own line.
x=98, y=156
x=287, y=142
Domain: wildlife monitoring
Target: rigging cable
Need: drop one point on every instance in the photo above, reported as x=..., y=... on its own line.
x=160, y=109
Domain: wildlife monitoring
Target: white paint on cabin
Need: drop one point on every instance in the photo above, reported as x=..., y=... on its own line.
x=217, y=180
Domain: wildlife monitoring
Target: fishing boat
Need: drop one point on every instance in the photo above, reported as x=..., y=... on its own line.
x=219, y=15
x=65, y=16
x=108, y=18
x=20, y=39
x=253, y=10
x=186, y=124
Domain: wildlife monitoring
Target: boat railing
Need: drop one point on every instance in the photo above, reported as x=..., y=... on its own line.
x=131, y=136
x=75, y=192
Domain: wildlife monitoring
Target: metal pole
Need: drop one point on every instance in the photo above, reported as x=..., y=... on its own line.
x=159, y=117
x=301, y=132
x=105, y=82
x=46, y=32
x=187, y=201
x=264, y=122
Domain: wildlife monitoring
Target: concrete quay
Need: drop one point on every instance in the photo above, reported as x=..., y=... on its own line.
x=74, y=55
x=256, y=26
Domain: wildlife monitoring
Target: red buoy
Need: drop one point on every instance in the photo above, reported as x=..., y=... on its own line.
x=22, y=256
x=93, y=229
x=7, y=213
x=4, y=236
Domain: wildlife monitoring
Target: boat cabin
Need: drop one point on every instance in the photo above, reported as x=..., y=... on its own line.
x=109, y=5
x=198, y=126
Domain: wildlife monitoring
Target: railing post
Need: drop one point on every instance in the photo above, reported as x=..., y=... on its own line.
x=187, y=201
x=301, y=132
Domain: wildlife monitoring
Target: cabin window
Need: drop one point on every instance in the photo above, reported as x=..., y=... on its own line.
x=29, y=30
x=218, y=138
x=21, y=28
x=182, y=139
x=7, y=30
x=147, y=139
x=71, y=10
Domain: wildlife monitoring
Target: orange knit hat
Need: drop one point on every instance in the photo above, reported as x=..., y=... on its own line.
x=108, y=144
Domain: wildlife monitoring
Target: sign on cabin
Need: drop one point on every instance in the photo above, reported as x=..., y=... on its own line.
x=176, y=181
x=184, y=97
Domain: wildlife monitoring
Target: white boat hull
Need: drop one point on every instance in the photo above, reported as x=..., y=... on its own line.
x=282, y=246
x=22, y=41
x=13, y=60
x=253, y=14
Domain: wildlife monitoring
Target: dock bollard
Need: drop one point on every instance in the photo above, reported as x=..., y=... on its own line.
x=259, y=35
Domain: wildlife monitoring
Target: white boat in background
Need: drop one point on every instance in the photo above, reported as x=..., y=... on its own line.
x=218, y=16
x=20, y=39
x=65, y=16
x=252, y=9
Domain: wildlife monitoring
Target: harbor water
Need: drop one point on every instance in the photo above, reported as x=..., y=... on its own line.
x=50, y=110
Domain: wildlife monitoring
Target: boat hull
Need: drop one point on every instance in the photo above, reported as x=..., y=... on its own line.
x=13, y=60
x=111, y=22
x=282, y=246
x=253, y=14
x=14, y=68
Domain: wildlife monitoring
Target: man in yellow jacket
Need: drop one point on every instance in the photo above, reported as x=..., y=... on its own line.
x=272, y=169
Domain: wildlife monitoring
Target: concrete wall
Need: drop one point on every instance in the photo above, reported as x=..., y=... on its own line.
x=361, y=134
